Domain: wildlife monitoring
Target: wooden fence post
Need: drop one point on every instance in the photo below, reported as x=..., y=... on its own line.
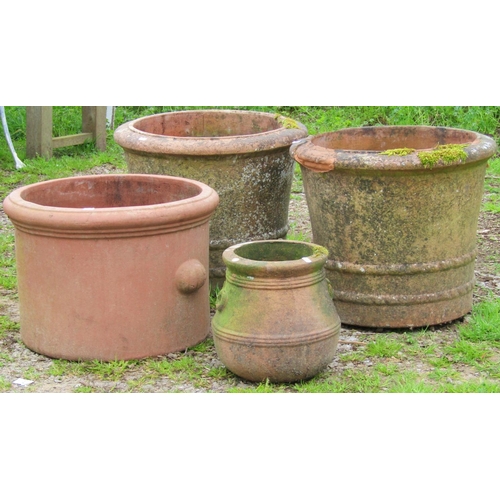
x=39, y=140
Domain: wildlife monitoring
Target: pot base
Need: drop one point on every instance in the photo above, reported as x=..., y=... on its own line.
x=399, y=316
x=278, y=364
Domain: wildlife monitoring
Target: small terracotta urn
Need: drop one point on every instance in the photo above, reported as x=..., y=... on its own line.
x=112, y=266
x=275, y=318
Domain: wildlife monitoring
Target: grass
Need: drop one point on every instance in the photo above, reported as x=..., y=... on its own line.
x=463, y=359
x=178, y=368
x=484, y=324
x=5, y=385
x=444, y=374
x=31, y=374
x=492, y=187
x=387, y=369
x=5, y=359
x=112, y=370
x=182, y=369
x=351, y=381
x=214, y=297
x=7, y=325
x=476, y=386
x=463, y=351
x=408, y=382
x=384, y=347
x=8, y=279
x=376, y=366
x=295, y=235
x=491, y=369
x=84, y=389
x=261, y=388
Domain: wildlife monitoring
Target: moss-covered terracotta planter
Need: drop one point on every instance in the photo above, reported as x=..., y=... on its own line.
x=113, y=266
x=243, y=155
x=275, y=318
x=397, y=208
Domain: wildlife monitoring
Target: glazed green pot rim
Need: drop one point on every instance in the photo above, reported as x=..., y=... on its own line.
x=133, y=139
x=323, y=152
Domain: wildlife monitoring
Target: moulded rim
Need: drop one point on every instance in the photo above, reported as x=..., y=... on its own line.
x=131, y=138
x=313, y=262
x=313, y=152
x=106, y=222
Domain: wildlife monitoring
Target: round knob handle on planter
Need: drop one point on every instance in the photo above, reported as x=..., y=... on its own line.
x=190, y=276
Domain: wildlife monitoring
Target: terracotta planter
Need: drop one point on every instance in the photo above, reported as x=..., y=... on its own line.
x=275, y=318
x=113, y=266
x=243, y=155
x=400, y=228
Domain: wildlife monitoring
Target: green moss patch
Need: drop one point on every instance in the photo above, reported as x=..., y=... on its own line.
x=398, y=152
x=444, y=153
x=286, y=122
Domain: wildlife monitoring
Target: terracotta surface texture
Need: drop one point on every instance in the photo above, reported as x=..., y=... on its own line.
x=243, y=155
x=401, y=234
x=275, y=318
x=112, y=266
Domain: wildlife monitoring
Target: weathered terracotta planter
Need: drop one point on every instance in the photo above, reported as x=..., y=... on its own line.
x=275, y=318
x=243, y=155
x=112, y=266
x=401, y=232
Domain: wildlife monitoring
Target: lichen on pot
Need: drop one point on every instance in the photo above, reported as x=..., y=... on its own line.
x=274, y=318
x=243, y=155
x=399, y=217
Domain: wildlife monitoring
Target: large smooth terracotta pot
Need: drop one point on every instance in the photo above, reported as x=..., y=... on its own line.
x=112, y=266
x=243, y=155
x=275, y=318
x=400, y=228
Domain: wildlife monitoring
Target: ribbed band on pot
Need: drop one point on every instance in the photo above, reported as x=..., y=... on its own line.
x=295, y=339
x=112, y=221
x=299, y=271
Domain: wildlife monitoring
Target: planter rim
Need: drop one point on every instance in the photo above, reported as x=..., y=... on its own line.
x=275, y=268
x=311, y=154
x=132, y=139
x=133, y=220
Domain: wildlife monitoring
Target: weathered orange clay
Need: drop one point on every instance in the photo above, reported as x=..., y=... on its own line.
x=275, y=318
x=113, y=266
x=401, y=235
x=243, y=155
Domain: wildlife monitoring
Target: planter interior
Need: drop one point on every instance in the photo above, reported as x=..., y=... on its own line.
x=274, y=251
x=384, y=138
x=207, y=124
x=110, y=192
